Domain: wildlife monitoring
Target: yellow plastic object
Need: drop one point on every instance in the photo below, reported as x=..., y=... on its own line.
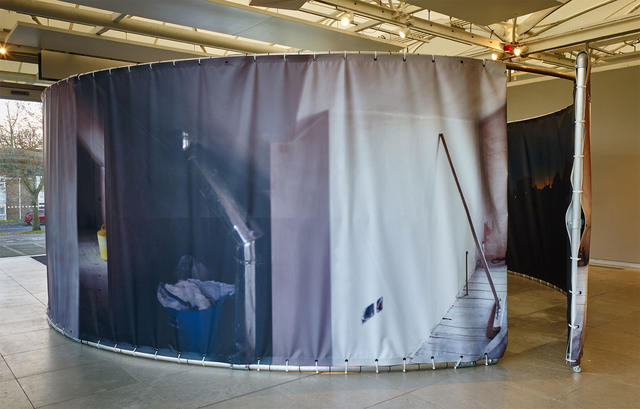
x=102, y=242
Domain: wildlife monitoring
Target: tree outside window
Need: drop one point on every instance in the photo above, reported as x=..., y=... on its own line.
x=21, y=145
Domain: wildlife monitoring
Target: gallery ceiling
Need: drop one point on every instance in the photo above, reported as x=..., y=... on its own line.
x=548, y=33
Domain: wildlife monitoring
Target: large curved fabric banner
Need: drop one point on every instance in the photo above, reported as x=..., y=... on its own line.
x=302, y=210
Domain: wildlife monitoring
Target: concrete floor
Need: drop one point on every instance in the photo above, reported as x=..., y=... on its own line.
x=41, y=368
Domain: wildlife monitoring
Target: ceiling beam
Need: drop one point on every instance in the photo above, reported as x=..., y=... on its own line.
x=615, y=28
x=83, y=16
x=392, y=16
x=601, y=43
x=622, y=57
x=551, y=58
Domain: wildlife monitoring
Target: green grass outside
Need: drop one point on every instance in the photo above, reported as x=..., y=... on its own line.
x=24, y=232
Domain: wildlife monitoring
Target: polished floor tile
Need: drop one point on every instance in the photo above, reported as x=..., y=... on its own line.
x=41, y=368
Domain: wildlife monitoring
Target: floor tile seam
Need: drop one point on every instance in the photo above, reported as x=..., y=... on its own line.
x=21, y=307
x=86, y=396
x=19, y=332
x=27, y=290
x=621, y=379
x=28, y=319
x=619, y=356
x=401, y=394
x=295, y=402
x=579, y=389
x=18, y=381
x=31, y=350
x=561, y=366
x=259, y=390
x=8, y=367
x=56, y=370
x=628, y=314
x=520, y=382
x=140, y=381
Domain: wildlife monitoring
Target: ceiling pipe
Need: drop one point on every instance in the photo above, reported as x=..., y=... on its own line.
x=83, y=16
x=540, y=70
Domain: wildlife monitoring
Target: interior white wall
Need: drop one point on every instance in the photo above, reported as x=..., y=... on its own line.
x=615, y=156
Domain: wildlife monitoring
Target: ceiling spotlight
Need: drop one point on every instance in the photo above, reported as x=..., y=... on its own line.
x=517, y=51
x=494, y=56
x=403, y=32
x=3, y=50
x=345, y=20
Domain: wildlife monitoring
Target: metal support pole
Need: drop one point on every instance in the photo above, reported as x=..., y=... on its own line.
x=574, y=212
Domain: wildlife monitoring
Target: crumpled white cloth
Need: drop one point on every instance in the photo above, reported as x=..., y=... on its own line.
x=193, y=294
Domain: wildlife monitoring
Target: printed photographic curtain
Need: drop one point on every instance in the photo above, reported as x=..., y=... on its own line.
x=295, y=210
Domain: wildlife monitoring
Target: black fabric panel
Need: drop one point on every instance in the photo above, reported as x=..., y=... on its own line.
x=539, y=190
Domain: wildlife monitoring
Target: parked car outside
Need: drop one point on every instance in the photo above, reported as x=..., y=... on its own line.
x=28, y=218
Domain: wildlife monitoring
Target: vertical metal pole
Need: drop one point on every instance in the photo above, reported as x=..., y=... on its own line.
x=574, y=213
x=19, y=198
x=466, y=273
